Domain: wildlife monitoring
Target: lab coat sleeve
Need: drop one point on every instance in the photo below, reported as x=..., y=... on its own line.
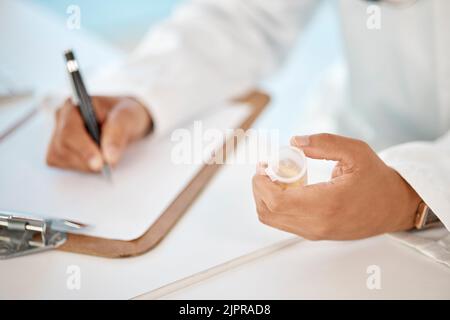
x=206, y=52
x=426, y=167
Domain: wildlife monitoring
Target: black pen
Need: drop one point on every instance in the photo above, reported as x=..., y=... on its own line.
x=84, y=103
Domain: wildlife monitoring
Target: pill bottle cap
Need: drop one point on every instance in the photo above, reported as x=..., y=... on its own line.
x=288, y=166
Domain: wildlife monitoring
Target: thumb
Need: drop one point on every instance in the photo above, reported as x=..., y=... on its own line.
x=327, y=146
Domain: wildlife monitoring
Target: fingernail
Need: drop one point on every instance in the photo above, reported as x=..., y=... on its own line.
x=300, y=141
x=261, y=168
x=111, y=154
x=95, y=163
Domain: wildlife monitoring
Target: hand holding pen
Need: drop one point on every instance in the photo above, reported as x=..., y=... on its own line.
x=76, y=144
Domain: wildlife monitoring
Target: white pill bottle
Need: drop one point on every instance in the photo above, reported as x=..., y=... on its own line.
x=288, y=167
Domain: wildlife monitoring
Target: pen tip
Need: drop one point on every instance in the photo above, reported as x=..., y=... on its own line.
x=106, y=171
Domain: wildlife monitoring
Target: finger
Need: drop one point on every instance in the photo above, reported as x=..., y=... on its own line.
x=305, y=201
x=71, y=138
x=261, y=168
x=278, y=200
x=102, y=105
x=66, y=160
x=267, y=191
x=127, y=121
x=115, y=136
x=281, y=222
x=328, y=146
x=80, y=147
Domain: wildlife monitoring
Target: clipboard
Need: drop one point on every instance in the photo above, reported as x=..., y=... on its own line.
x=31, y=235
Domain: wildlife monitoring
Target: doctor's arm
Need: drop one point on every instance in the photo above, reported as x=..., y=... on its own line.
x=426, y=167
x=207, y=52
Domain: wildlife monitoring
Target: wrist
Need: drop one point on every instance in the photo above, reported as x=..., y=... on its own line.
x=405, y=205
x=414, y=201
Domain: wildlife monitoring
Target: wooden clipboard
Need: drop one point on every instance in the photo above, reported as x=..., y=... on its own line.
x=160, y=228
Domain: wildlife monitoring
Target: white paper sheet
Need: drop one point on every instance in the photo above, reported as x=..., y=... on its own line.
x=144, y=183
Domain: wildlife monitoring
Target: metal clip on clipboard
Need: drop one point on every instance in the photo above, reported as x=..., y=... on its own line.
x=21, y=234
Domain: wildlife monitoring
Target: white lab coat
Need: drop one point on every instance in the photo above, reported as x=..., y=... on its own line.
x=399, y=84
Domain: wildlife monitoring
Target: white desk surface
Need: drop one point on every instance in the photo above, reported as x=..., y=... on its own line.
x=328, y=270
x=208, y=236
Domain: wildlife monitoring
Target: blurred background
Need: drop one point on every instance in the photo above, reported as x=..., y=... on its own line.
x=34, y=34
x=122, y=23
